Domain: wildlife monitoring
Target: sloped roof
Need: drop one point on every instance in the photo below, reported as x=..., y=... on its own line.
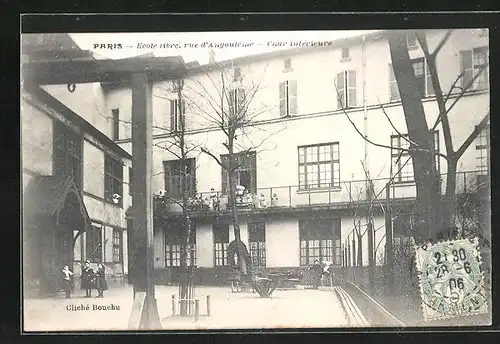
x=44, y=195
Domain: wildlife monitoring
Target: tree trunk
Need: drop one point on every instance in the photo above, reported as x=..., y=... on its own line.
x=427, y=208
x=360, y=249
x=232, y=202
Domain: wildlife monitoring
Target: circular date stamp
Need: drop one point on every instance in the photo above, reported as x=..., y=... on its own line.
x=451, y=279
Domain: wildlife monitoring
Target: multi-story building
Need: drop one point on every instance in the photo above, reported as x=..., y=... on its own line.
x=75, y=187
x=310, y=164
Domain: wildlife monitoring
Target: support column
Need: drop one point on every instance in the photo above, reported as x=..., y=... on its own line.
x=144, y=312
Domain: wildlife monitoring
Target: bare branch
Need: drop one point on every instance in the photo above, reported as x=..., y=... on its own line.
x=206, y=151
x=460, y=95
x=483, y=124
x=442, y=42
x=404, y=137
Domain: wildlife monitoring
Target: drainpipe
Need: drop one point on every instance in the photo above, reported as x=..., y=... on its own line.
x=363, y=74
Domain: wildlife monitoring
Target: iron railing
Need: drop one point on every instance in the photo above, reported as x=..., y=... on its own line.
x=345, y=192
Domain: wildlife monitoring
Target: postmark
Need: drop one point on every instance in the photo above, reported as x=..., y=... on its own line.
x=451, y=279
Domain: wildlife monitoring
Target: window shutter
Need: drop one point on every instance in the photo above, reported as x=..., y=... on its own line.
x=192, y=177
x=466, y=67
x=282, y=97
x=292, y=94
x=224, y=161
x=241, y=104
x=393, y=84
x=253, y=169
x=340, y=90
x=172, y=115
x=351, y=89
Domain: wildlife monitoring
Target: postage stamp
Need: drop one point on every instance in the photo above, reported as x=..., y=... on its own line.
x=451, y=279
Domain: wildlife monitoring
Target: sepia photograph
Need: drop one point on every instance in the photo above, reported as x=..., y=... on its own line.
x=255, y=180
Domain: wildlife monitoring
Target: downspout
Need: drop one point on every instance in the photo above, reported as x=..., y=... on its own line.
x=365, y=131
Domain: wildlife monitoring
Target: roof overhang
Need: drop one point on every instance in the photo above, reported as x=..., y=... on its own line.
x=69, y=71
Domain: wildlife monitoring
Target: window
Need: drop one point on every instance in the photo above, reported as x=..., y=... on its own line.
x=288, y=98
x=174, y=174
x=346, y=89
x=424, y=82
x=319, y=166
x=221, y=242
x=288, y=64
x=113, y=179
x=482, y=144
x=237, y=74
x=345, y=53
x=393, y=85
x=116, y=124
x=175, y=114
x=245, y=171
x=402, y=161
x=472, y=63
x=257, y=241
x=174, y=245
x=67, y=153
x=237, y=102
x=338, y=252
x=93, y=243
x=411, y=40
x=117, y=245
x=316, y=240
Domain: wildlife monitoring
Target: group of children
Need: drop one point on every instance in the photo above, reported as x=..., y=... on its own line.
x=90, y=280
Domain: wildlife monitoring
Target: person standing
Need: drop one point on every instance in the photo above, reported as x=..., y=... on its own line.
x=67, y=281
x=87, y=279
x=317, y=271
x=101, y=280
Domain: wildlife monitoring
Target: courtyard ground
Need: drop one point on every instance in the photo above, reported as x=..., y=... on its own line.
x=246, y=310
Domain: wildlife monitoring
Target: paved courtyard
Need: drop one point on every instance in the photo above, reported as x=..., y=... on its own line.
x=286, y=309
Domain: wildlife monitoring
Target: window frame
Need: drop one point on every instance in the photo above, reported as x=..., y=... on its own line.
x=112, y=177
x=251, y=168
x=220, y=245
x=115, y=113
x=257, y=243
x=288, y=98
x=473, y=52
x=175, y=117
x=117, y=244
x=343, y=56
x=395, y=153
x=169, y=169
x=482, y=152
x=63, y=157
x=237, y=76
x=311, y=231
x=287, y=65
x=428, y=87
x=335, y=182
x=413, y=38
x=94, y=243
x=173, y=246
x=346, y=88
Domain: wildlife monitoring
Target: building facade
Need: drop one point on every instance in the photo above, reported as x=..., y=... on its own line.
x=306, y=159
x=75, y=192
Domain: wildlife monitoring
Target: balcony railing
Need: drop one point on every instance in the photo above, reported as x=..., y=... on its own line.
x=345, y=193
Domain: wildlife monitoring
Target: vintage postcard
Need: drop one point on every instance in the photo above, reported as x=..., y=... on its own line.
x=253, y=180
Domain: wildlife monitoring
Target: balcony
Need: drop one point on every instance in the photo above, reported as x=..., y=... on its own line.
x=344, y=195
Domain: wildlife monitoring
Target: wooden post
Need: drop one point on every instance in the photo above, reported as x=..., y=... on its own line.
x=196, y=309
x=173, y=305
x=389, y=250
x=208, y=305
x=142, y=250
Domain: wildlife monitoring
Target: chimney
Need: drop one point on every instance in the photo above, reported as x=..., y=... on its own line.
x=211, y=56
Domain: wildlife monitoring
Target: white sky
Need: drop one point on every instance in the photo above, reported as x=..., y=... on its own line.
x=260, y=39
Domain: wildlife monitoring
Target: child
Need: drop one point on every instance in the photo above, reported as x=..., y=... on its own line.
x=101, y=280
x=67, y=281
x=87, y=279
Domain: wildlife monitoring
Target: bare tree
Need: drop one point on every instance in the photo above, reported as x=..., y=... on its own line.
x=229, y=105
x=433, y=214
x=181, y=147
